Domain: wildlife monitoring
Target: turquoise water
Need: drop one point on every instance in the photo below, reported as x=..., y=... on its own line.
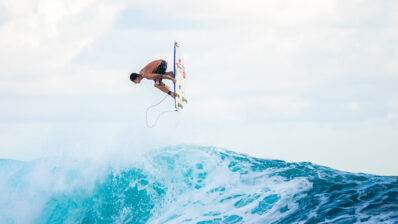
x=191, y=184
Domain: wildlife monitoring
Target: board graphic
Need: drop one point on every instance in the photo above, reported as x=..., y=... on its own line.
x=180, y=76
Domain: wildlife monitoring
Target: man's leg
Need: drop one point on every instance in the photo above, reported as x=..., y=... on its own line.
x=164, y=89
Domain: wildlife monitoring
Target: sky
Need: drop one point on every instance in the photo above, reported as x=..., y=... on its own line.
x=294, y=80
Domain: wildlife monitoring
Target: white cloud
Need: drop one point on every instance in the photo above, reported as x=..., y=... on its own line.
x=40, y=37
x=218, y=109
x=288, y=105
x=86, y=81
x=392, y=115
x=353, y=106
x=393, y=103
x=393, y=109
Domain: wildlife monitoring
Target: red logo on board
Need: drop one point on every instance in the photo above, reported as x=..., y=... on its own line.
x=180, y=67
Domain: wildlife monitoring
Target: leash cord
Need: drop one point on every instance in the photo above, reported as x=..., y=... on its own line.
x=161, y=114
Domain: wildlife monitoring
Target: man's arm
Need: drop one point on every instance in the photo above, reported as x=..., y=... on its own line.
x=164, y=76
x=171, y=73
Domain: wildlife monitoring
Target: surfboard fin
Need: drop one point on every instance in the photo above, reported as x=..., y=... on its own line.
x=184, y=100
x=180, y=105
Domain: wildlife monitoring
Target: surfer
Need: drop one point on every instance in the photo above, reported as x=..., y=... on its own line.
x=156, y=71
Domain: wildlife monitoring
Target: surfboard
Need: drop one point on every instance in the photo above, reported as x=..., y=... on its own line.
x=180, y=76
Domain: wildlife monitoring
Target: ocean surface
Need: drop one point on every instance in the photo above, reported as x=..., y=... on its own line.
x=191, y=184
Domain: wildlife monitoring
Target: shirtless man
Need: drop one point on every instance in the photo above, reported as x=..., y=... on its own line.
x=156, y=71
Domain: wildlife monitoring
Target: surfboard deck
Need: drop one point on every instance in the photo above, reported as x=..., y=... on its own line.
x=180, y=76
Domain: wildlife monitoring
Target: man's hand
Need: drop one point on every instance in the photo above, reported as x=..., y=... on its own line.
x=171, y=74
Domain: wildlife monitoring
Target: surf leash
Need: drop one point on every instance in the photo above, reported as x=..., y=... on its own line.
x=161, y=114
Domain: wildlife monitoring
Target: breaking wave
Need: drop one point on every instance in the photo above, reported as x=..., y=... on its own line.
x=191, y=184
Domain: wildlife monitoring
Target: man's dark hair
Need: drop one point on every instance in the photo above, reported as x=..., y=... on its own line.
x=133, y=76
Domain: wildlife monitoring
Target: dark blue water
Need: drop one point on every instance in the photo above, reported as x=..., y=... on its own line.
x=191, y=184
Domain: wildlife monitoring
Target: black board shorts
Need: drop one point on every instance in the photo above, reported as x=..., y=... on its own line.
x=161, y=70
